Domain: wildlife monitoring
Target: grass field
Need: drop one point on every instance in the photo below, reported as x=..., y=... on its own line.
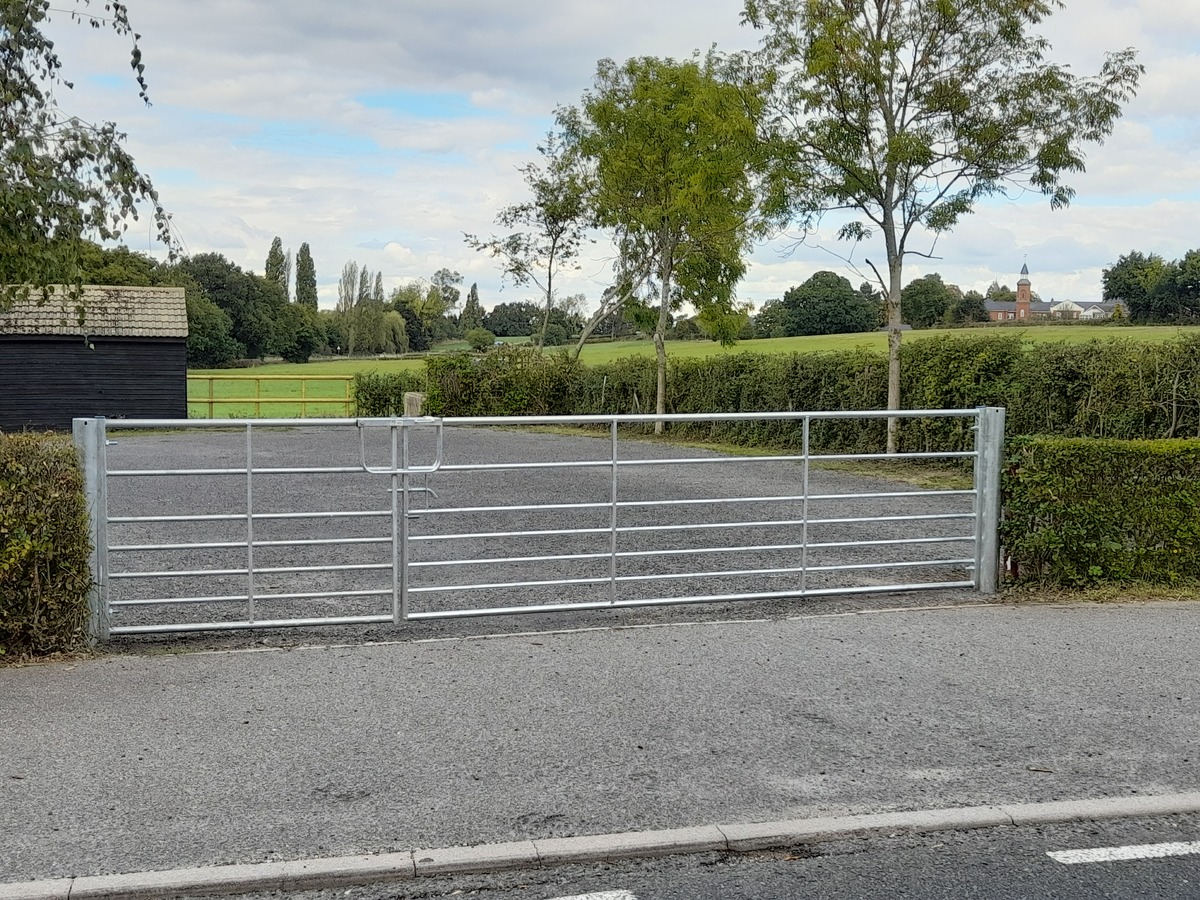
x=264, y=382
x=1035, y=334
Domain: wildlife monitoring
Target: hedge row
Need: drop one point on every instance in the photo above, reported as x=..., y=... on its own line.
x=1080, y=511
x=45, y=574
x=1114, y=389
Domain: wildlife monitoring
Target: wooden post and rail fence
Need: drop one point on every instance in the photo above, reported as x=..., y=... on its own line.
x=249, y=396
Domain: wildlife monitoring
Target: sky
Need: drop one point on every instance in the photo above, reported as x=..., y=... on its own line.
x=380, y=131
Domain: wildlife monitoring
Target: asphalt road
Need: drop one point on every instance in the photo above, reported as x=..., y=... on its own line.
x=995, y=864
x=130, y=763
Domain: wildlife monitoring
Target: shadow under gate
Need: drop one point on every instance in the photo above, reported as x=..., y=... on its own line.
x=212, y=525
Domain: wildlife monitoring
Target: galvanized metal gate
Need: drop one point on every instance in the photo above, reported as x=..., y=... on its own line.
x=202, y=524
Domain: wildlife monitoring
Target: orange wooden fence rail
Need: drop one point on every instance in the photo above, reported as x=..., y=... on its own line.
x=327, y=406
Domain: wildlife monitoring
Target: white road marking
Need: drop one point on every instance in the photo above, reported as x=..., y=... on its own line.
x=1121, y=854
x=603, y=895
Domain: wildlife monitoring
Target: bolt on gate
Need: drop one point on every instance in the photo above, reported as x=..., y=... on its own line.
x=266, y=523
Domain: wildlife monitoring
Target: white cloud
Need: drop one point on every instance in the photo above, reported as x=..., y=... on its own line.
x=265, y=123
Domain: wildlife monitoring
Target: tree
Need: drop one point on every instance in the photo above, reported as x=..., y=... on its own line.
x=909, y=112
x=480, y=339
x=446, y=283
x=472, y=314
x=673, y=148
x=210, y=343
x=275, y=269
x=306, y=277
x=552, y=223
x=771, y=321
x=1132, y=279
x=512, y=319
x=62, y=178
x=971, y=308
x=927, y=302
x=252, y=303
x=826, y=304
x=347, y=303
x=298, y=333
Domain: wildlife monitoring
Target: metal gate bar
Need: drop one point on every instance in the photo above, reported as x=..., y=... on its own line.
x=91, y=437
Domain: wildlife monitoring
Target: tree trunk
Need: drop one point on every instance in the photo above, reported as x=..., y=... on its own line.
x=549, y=303
x=895, y=259
x=659, y=335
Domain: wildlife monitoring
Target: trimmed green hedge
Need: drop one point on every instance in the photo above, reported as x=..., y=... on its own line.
x=45, y=574
x=1116, y=389
x=377, y=394
x=1085, y=511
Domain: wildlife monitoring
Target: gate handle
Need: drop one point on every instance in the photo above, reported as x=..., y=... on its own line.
x=393, y=423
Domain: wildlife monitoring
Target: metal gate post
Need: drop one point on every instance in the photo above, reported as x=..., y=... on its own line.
x=92, y=445
x=989, y=447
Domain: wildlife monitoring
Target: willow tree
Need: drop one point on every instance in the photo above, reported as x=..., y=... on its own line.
x=673, y=154
x=910, y=112
x=62, y=179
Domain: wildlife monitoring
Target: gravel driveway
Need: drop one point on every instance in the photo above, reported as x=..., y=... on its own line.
x=442, y=576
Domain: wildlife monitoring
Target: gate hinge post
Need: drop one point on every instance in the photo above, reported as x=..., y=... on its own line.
x=92, y=445
x=989, y=458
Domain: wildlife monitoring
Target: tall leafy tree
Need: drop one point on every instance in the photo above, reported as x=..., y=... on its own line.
x=306, y=277
x=673, y=149
x=252, y=303
x=61, y=178
x=472, y=314
x=548, y=229
x=446, y=282
x=926, y=302
x=827, y=304
x=275, y=269
x=364, y=287
x=347, y=303
x=1132, y=279
x=909, y=112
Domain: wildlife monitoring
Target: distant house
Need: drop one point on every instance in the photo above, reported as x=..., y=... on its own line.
x=126, y=359
x=1027, y=309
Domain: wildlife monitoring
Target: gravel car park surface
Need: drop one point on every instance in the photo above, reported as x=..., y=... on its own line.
x=441, y=580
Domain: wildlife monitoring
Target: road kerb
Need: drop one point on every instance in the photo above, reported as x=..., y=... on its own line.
x=593, y=848
x=367, y=869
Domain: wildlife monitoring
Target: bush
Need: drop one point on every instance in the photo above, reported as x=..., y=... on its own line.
x=1083, y=511
x=509, y=381
x=480, y=339
x=45, y=572
x=377, y=394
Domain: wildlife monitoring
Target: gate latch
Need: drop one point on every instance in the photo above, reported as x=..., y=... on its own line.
x=400, y=425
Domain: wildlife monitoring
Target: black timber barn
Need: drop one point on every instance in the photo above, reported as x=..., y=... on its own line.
x=126, y=359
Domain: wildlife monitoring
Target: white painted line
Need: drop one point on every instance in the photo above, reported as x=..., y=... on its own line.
x=603, y=895
x=1122, y=854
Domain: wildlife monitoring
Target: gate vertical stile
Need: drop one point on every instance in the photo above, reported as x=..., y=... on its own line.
x=401, y=614
x=397, y=559
x=804, y=512
x=612, y=556
x=251, y=612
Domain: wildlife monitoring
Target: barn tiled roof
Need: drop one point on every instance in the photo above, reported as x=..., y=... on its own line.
x=107, y=312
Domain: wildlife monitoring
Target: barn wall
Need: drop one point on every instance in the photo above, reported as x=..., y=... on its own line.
x=46, y=381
